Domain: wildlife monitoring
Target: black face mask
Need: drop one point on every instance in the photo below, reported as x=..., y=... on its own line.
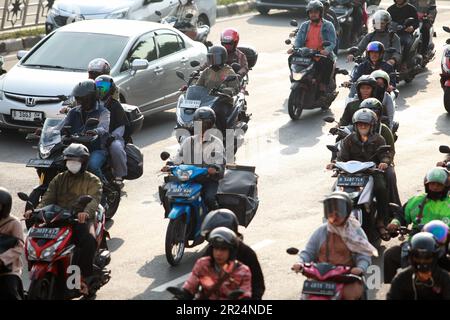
x=437, y=195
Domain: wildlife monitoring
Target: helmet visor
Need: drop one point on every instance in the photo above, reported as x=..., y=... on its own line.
x=215, y=59
x=374, y=47
x=335, y=206
x=103, y=88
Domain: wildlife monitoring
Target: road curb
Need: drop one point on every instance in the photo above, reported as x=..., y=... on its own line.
x=12, y=45
x=235, y=8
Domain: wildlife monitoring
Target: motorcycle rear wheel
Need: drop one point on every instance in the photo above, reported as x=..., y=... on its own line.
x=112, y=198
x=294, y=108
x=447, y=99
x=175, y=241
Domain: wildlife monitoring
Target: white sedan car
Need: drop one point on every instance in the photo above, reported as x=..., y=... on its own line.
x=144, y=58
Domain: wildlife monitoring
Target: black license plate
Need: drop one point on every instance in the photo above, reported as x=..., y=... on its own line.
x=351, y=181
x=43, y=233
x=40, y=163
x=301, y=60
x=319, y=288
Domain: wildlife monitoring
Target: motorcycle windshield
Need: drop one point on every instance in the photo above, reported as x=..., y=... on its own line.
x=354, y=166
x=51, y=132
x=199, y=93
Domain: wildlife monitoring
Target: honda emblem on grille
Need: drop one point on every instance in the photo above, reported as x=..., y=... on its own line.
x=30, y=101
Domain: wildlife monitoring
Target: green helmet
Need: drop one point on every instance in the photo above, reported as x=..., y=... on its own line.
x=381, y=74
x=438, y=175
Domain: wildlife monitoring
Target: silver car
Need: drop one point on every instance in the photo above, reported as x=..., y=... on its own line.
x=144, y=58
x=68, y=11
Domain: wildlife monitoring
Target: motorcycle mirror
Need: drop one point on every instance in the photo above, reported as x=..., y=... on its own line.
x=236, y=67
x=164, y=155
x=447, y=41
x=343, y=71
x=292, y=251
x=189, y=16
x=23, y=196
x=288, y=41
x=352, y=50
x=180, y=75
x=208, y=44
x=195, y=63
x=294, y=23
x=230, y=78
x=444, y=149
x=332, y=148
x=83, y=201
x=92, y=122
x=329, y=119
x=158, y=13
x=446, y=29
x=395, y=207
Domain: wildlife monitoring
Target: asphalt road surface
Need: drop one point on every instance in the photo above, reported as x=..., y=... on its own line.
x=290, y=158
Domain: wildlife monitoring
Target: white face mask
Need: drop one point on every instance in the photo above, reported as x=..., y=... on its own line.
x=73, y=166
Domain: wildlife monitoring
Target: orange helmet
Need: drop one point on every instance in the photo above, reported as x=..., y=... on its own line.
x=229, y=39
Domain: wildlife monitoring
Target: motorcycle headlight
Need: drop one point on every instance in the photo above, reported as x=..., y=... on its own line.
x=119, y=14
x=297, y=76
x=184, y=175
x=31, y=251
x=342, y=20
x=45, y=151
x=49, y=253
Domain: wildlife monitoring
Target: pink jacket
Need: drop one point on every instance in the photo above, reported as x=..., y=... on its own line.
x=11, y=258
x=204, y=275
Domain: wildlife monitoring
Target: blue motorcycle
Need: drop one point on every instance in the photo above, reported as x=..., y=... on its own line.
x=184, y=206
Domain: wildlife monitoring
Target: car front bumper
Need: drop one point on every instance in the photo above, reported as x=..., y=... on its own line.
x=278, y=5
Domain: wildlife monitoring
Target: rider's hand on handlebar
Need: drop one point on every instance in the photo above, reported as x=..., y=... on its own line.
x=290, y=51
x=383, y=166
x=350, y=58
x=83, y=217
x=165, y=169
x=64, y=110
x=441, y=164
x=292, y=34
x=357, y=271
x=391, y=62
x=330, y=166
x=324, y=52
x=346, y=84
x=390, y=88
x=392, y=227
x=27, y=214
x=298, y=267
x=212, y=171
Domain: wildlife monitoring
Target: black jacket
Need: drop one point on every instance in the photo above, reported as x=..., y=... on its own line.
x=247, y=256
x=399, y=15
x=353, y=149
x=402, y=287
x=367, y=67
x=118, y=116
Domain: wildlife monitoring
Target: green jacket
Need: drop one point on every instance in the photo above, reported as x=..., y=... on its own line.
x=66, y=188
x=349, y=111
x=386, y=133
x=432, y=210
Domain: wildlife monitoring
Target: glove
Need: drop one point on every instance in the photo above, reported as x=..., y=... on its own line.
x=334, y=130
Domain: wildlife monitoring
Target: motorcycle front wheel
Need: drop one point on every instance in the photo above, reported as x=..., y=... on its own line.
x=111, y=194
x=447, y=99
x=294, y=108
x=43, y=289
x=175, y=241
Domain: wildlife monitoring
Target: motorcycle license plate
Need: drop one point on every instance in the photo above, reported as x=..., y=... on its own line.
x=351, y=181
x=39, y=163
x=190, y=104
x=43, y=233
x=319, y=288
x=22, y=115
x=301, y=60
x=179, y=191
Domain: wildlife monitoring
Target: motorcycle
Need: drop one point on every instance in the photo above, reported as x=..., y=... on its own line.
x=184, y=207
x=344, y=10
x=50, y=252
x=412, y=60
x=445, y=75
x=195, y=97
x=326, y=281
x=425, y=19
x=202, y=30
x=53, y=140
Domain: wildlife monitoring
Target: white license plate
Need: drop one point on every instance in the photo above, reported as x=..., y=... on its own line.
x=190, y=104
x=22, y=115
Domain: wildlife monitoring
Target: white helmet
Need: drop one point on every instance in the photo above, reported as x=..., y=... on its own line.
x=381, y=20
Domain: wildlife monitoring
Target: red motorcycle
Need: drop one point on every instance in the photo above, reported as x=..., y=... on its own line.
x=50, y=252
x=325, y=281
x=445, y=75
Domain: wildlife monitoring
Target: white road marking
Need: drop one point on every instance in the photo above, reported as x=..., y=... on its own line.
x=183, y=278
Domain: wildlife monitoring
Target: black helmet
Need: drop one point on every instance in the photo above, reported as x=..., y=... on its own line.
x=219, y=218
x=372, y=104
x=224, y=238
x=217, y=56
x=5, y=202
x=98, y=67
x=207, y=116
x=366, y=80
x=85, y=93
x=76, y=151
x=326, y=3
x=339, y=202
x=314, y=5
x=423, y=246
x=105, y=86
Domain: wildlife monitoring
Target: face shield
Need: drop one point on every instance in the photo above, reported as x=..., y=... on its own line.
x=215, y=59
x=335, y=206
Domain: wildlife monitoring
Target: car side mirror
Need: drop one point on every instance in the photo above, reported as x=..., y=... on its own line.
x=92, y=122
x=195, y=63
x=139, y=64
x=21, y=54
x=164, y=155
x=446, y=29
x=294, y=23
x=292, y=251
x=444, y=149
x=180, y=75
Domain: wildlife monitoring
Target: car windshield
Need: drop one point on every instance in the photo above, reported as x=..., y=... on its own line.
x=51, y=132
x=74, y=50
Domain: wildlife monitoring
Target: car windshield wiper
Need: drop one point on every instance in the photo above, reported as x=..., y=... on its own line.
x=53, y=67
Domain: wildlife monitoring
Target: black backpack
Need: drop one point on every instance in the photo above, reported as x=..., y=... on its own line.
x=135, y=162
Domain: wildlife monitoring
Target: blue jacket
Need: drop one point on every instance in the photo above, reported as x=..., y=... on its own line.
x=328, y=34
x=366, y=67
x=75, y=120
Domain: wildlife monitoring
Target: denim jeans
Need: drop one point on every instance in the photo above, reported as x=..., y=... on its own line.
x=96, y=162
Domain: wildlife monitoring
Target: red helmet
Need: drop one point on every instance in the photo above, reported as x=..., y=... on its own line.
x=229, y=39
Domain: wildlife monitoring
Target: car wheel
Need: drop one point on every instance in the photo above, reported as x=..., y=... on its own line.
x=203, y=20
x=263, y=10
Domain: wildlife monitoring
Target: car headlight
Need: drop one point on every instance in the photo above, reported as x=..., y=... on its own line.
x=31, y=251
x=119, y=14
x=184, y=175
x=45, y=151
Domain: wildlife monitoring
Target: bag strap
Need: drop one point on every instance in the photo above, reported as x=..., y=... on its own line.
x=7, y=221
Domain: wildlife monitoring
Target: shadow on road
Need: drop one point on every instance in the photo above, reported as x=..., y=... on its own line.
x=442, y=124
x=409, y=90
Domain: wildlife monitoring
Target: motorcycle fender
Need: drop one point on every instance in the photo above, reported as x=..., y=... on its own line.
x=447, y=83
x=178, y=211
x=295, y=85
x=39, y=270
x=367, y=193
